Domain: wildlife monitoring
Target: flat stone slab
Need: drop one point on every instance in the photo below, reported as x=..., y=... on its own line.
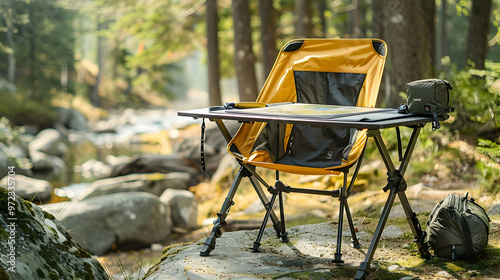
x=311, y=248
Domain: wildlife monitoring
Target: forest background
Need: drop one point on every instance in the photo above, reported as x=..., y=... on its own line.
x=107, y=54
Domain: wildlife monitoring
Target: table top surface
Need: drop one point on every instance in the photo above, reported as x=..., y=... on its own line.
x=313, y=114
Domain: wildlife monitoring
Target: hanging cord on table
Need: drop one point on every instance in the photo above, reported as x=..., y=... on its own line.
x=202, y=149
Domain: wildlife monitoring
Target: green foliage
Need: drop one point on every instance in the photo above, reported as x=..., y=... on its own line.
x=489, y=170
x=489, y=148
x=22, y=110
x=475, y=97
x=152, y=36
x=12, y=136
x=42, y=42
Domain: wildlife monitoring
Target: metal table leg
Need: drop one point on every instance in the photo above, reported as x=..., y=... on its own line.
x=397, y=186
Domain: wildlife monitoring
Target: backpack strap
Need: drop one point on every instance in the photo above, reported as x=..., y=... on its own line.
x=202, y=145
x=435, y=122
x=467, y=238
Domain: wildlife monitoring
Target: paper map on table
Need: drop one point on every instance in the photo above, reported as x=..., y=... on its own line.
x=308, y=110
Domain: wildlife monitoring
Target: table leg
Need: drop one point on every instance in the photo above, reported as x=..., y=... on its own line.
x=418, y=234
x=364, y=267
x=397, y=186
x=209, y=244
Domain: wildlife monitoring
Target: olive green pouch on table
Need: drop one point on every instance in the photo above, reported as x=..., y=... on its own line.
x=429, y=97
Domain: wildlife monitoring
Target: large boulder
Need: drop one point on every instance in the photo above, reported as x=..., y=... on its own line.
x=13, y=151
x=155, y=183
x=47, y=151
x=154, y=164
x=214, y=147
x=7, y=152
x=29, y=188
x=68, y=118
x=47, y=166
x=34, y=245
x=122, y=220
x=50, y=142
x=494, y=210
x=184, y=207
x=311, y=247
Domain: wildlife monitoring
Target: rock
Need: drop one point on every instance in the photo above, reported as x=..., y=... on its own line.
x=47, y=166
x=70, y=119
x=50, y=142
x=417, y=206
x=29, y=188
x=77, y=121
x=393, y=267
x=155, y=183
x=154, y=164
x=42, y=247
x=122, y=220
x=392, y=231
x=494, y=210
x=257, y=206
x=310, y=246
x=16, y=151
x=431, y=194
x=184, y=207
x=307, y=255
x=215, y=147
x=93, y=169
x=21, y=153
x=444, y=274
x=226, y=170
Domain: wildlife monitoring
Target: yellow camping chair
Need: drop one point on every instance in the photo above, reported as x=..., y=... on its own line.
x=343, y=72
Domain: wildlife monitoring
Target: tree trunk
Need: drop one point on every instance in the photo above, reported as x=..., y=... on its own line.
x=268, y=35
x=244, y=56
x=409, y=34
x=477, y=35
x=95, y=98
x=33, y=76
x=322, y=8
x=214, y=92
x=429, y=18
x=303, y=10
x=378, y=31
x=356, y=18
x=379, y=19
x=441, y=38
x=11, y=59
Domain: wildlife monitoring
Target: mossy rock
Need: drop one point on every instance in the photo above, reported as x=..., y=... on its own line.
x=40, y=245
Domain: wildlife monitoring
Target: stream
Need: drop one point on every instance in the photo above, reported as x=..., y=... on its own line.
x=114, y=140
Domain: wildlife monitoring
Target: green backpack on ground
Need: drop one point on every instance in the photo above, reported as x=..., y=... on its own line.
x=458, y=228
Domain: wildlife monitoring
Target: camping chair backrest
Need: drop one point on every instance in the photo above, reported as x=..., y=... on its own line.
x=318, y=71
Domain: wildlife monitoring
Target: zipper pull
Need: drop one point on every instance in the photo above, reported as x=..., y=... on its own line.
x=448, y=85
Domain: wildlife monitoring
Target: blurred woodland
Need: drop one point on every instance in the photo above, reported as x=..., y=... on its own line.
x=121, y=53
x=108, y=54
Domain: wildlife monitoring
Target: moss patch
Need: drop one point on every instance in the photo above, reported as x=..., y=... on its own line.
x=173, y=250
x=51, y=259
x=3, y=274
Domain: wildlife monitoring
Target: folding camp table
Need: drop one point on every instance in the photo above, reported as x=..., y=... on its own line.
x=372, y=120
